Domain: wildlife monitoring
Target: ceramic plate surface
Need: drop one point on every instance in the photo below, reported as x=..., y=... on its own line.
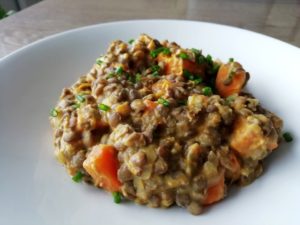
x=35, y=189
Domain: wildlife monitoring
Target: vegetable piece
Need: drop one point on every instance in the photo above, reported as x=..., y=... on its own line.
x=162, y=87
x=76, y=105
x=248, y=139
x=77, y=177
x=287, y=136
x=99, y=61
x=207, y=91
x=138, y=77
x=119, y=70
x=117, y=197
x=103, y=107
x=131, y=41
x=164, y=102
x=102, y=164
x=53, y=112
x=150, y=105
x=80, y=98
x=155, y=70
x=183, y=55
x=165, y=51
x=176, y=66
x=216, y=192
x=231, y=79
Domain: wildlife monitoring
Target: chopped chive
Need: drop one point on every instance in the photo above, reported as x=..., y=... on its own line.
x=117, y=197
x=99, y=61
x=197, y=80
x=131, y=78
x=138, y=77
x=154, y=53
x=201, y=59
x=119, y=70
x=183, y=55
x=155, y=68
x=187, y=74
x=104, y=107
x=231, y=59
x=209, y=59
x=76, y=105
x=214, y=68
x=164, y=102
x=53, y=112
x=80, y=98
x=155, y=74
x=131, y=41
x=110, y=75
x=77, y=177
x=229, y=99
x=182, y=102
x=166, y=51
x=207, y=91
x=196, y=51
x=287, y=136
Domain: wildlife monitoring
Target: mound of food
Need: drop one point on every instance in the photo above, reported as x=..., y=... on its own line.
x=161, y=125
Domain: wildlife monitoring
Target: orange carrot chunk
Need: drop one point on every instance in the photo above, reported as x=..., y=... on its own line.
x=216, y=192
x=231, y=79
x=175, y=65
x=102, y=164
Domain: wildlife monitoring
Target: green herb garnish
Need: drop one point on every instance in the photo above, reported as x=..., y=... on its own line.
x=138, y=77
x=110, y=75
x=154, y=53
x=76, y=105
x=182, y=102
x=53, y=112
x=196, y=51
x=104, y=107
x=198, y=80
x=80, y=98
x=287, y=136
x=183, y=55
x=195, y=78
x=214, y=69
x=231, y=59
x=187, y=74
x=77, y=177
x=99, y=61
x=131, y=41
x=119, y=70
x=207, y=91
x=164, y=102
x=230, y=99
x=155, y=70
x=117, y=197
x=209, y=59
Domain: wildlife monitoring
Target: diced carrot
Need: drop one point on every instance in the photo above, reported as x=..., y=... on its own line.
x=231, y=79
x=102, y=164
x=216, y=192
x=249, y=140
x=150, y=105
x=175, y=65
x=161, y=87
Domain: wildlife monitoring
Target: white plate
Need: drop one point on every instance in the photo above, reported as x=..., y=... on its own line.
x=35, y=189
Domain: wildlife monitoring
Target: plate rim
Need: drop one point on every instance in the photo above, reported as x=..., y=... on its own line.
x=112, y=23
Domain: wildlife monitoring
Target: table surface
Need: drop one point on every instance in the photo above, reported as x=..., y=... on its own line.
x=276, y=18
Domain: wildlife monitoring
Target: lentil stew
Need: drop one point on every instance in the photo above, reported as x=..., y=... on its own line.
x=161, y=125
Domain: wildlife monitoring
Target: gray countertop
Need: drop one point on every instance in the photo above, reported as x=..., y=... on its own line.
x=276, y=18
